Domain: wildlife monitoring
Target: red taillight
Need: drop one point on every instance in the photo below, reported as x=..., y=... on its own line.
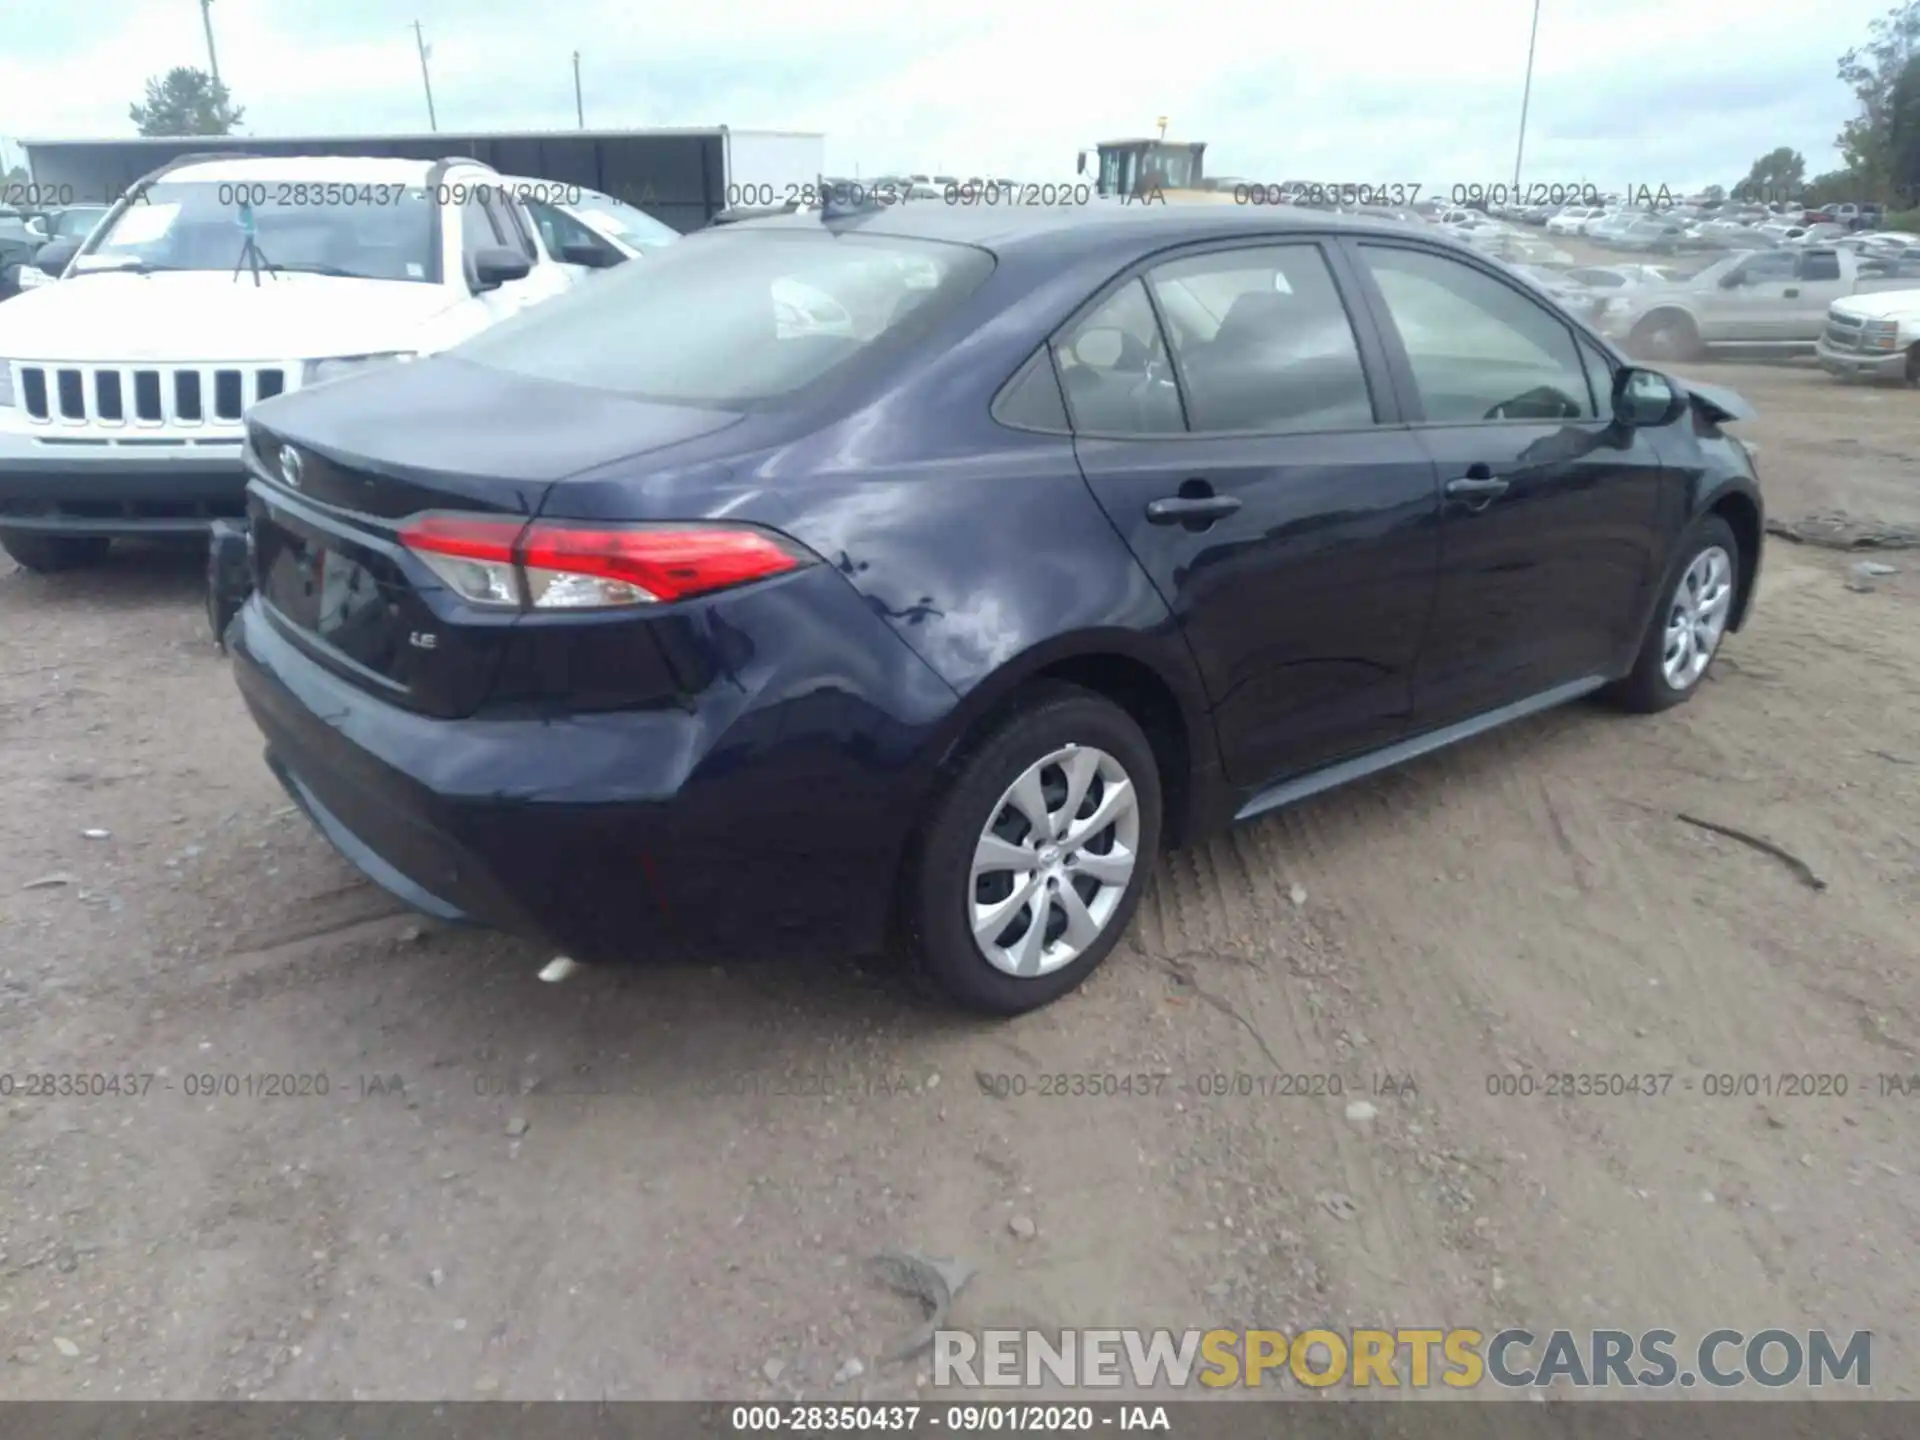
x=668, y=562
x=556, y=564
x=483, y=537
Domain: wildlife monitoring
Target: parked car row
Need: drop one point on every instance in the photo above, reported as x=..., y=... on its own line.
x=1681, y=228
x=688, y=610
x=1850, y=295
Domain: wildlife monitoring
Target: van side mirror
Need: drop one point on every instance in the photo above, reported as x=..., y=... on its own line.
x=1081, y=167
x=496, y=265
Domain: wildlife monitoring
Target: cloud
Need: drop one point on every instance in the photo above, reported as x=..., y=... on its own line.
x=1625, y=92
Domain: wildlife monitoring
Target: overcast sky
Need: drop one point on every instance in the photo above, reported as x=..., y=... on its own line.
x=1626, y=92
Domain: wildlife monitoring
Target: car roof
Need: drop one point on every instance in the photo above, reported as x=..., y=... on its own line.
x=358, y=169
x=1081, y=229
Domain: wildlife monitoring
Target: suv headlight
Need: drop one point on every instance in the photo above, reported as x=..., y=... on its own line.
x=336, y=366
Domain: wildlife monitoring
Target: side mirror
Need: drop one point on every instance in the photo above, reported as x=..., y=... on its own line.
x=1080, y=168
x=1733, y=281
x=594, y=257
x=496, y=265
x=1646, y=398
x=37, y=226
x=53, y=257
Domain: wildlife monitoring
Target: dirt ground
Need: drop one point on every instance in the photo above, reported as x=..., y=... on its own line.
x=450, y=1219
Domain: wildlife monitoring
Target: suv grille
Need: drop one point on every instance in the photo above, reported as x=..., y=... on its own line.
x=168, y=395
x=1844, y=332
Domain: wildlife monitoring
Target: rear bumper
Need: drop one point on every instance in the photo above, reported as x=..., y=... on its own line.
x=719, y=829
x=102, y=491
x=1876, y=364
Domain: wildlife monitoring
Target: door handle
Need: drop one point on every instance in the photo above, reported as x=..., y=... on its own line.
x=1478, y=487
x=1184, y=509
x=1793, y=292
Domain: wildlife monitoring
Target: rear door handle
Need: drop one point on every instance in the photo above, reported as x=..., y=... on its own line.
x=1793, y=292
x=1179, y=509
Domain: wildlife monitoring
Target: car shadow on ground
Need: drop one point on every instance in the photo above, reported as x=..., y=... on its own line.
x=134, y=575
x=468, y=1009
x=466, y=1005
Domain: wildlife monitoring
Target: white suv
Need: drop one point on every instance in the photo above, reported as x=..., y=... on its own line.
x=219, y=281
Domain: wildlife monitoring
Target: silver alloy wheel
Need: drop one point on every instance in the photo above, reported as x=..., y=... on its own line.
x=1698, y=617
x=1054, y=861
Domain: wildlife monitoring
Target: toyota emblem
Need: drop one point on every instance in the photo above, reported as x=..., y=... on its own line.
x=290, y=465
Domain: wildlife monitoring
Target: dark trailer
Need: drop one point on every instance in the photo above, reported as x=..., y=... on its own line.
x=681, y=177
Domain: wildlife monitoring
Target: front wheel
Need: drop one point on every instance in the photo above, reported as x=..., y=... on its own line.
x=1036, y=855
x=1685, y=632
x=49, y=554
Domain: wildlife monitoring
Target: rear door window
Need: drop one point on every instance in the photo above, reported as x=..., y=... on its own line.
x=1263, y=342
x=1819, y=265
x=560, y=231
x=1114, y=369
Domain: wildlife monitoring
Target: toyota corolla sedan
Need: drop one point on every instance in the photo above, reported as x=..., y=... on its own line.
x=648, y=626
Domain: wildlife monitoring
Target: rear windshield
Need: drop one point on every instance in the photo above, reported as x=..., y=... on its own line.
x=734, y=317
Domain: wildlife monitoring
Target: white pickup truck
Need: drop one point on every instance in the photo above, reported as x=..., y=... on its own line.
x=1875, y=336
x=1771, y=298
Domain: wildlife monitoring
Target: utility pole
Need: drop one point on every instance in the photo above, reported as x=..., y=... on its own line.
x=206, y=19
x=420, y=39
x=579, y=109
x=1526, y=96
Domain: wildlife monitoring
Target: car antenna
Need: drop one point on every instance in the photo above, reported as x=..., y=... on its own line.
x=250, y=253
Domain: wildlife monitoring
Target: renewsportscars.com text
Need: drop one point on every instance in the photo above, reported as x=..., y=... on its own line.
x=1415, y=1358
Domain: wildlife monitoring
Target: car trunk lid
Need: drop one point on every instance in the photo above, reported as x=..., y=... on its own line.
x=338, y=473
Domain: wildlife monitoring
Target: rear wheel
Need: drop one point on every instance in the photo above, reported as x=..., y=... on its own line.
x=1665, y=335
x=1686, y=630
x=1913, y=366
x=1034, y=858
x=50, y=553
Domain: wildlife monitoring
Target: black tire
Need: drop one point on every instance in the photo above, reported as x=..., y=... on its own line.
x=1913, y=366
x=1645, y=690
x=938, y=885
x=1665, y=335
x=49, y=554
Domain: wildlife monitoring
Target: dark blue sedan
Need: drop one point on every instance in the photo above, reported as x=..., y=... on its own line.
x=906, y=580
